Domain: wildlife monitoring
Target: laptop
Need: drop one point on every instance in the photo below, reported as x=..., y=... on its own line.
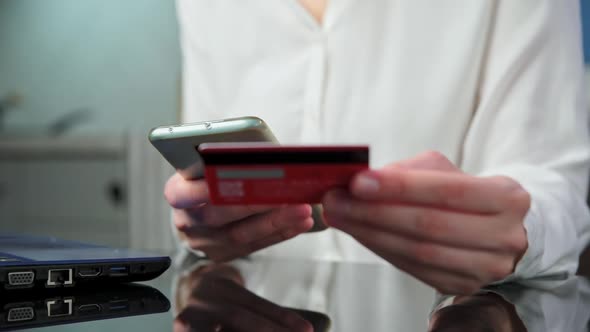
x=23, y=310
x=47, y=262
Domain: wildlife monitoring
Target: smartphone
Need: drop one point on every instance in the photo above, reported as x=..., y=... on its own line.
x=179, y=145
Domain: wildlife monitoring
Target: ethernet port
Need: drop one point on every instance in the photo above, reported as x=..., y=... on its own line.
x=57, y=308
x=62, y=277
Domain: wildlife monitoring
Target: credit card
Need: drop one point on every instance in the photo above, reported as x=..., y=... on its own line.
x=254, y=173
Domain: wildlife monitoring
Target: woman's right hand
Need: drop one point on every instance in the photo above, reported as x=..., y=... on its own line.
x=227, y=232
x=214, y=298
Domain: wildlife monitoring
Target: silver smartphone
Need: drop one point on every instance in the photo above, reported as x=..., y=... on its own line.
x=179, y=145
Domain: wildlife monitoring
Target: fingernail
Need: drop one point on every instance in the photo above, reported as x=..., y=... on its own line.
x=180, y=326
x=295, y=213
x=304, y=210
x=366, y=183
x=337, y=201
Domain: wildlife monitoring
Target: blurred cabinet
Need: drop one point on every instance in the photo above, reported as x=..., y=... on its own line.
x=11, y=193
x=78, y=196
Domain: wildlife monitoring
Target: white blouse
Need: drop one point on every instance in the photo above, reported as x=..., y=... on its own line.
x=495, y=85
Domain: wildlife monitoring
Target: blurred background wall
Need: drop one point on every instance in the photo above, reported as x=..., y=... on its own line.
x=119, y=59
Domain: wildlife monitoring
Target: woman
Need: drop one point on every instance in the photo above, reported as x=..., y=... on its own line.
x=474, y=112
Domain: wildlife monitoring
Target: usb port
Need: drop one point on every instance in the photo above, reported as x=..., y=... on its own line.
x=119, y=271
x=119, y=305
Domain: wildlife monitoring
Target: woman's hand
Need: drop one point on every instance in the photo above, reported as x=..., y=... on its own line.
x=213, y=298
x=477, y=313
x=451, y=230
x=228, y=232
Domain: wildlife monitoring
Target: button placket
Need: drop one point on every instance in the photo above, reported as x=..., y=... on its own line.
x=314, y=91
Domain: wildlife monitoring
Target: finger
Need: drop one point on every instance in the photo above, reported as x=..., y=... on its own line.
x=484, y=266
x=227, y=316
x=260, y=226
x=214, y=216
x=221, y=215
x=184, y=194
x=206, y=239
x=430, y=160
x=187, y=321
x=192, y=226
x=444, y=282
x=246, y=230
x=235, y=304
x=241, y=297
x=222, y=253
x=184, y=222
x=281, y=235
x=224, y=271
x=467, y=230
x=220, y=246
x=293, y=321
x=442, y=189
x=466, y=318
x=480, y=312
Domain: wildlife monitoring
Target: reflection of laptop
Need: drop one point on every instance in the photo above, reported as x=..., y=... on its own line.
x=19, y=310
x=27, y=261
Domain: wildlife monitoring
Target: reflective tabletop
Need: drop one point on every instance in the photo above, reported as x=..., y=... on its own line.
x=262, y=294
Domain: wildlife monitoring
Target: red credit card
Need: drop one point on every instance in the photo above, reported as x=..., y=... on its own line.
x=252, y=173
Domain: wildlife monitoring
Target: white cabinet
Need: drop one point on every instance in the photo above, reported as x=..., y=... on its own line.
x=77, y=199
x=67, y=194
x=11, y=194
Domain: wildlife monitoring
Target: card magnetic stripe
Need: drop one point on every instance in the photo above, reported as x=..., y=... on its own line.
x=285, y=157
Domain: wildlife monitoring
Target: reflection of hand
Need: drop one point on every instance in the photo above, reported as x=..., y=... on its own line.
x=227, y=232
x=213, y=298
x=478, y=313
x=453, y=231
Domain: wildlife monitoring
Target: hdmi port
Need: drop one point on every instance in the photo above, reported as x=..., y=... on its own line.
x=89, y=309
x=89, y=272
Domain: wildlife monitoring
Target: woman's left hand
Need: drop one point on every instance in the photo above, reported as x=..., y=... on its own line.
x=451, y=230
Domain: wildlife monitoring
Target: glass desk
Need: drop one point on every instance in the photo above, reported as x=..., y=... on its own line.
x=295, y=295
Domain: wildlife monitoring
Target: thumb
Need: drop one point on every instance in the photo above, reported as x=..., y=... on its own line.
x=430, y=160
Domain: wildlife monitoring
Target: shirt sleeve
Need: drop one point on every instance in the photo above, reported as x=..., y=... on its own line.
x=531, y=124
